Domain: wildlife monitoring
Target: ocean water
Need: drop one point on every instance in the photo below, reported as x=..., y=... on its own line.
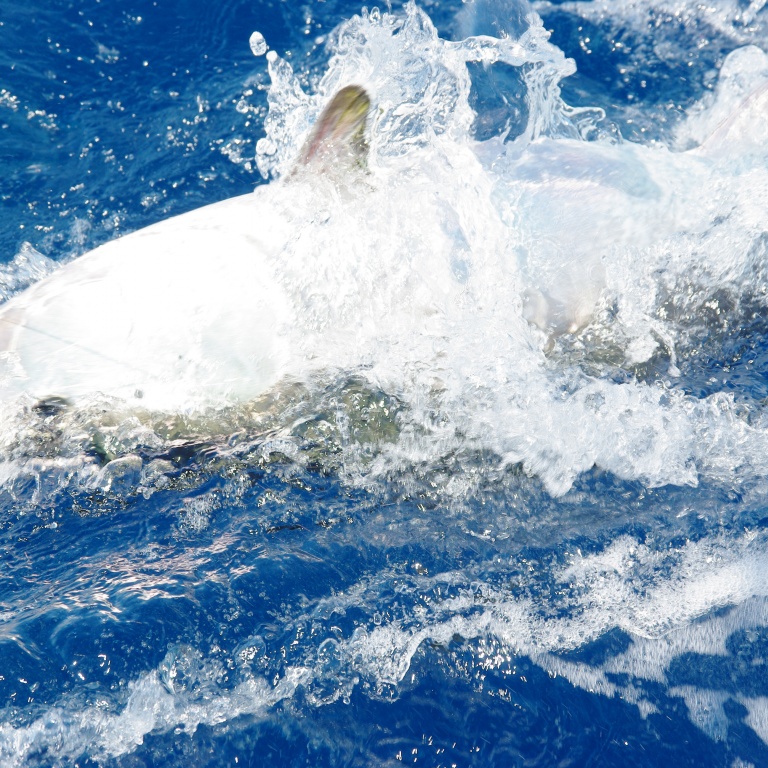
x=512, y=510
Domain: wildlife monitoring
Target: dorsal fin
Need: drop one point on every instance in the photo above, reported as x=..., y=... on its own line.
x=338, y=138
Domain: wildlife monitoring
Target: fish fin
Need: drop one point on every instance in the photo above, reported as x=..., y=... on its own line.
x=734, y=124
x=338, y=138
x=742, y=129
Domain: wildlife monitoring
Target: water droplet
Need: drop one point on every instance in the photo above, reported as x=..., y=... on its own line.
x=258, y=44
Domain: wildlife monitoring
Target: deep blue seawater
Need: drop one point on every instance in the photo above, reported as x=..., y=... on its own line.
x=258, y=607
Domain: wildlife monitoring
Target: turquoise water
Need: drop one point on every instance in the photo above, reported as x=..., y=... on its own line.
x=471, y=542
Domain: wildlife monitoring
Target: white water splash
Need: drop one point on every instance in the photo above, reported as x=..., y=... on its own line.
x=257, y=43
x=428, y=277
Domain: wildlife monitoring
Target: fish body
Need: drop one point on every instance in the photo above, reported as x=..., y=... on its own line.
x=184, y=313
x=578, y=206
x=216, y=305
x=150, y=316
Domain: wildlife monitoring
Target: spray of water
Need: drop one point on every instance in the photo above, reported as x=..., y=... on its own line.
x=501, y=296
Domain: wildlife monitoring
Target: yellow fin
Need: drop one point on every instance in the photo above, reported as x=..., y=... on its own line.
x=338, y=137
